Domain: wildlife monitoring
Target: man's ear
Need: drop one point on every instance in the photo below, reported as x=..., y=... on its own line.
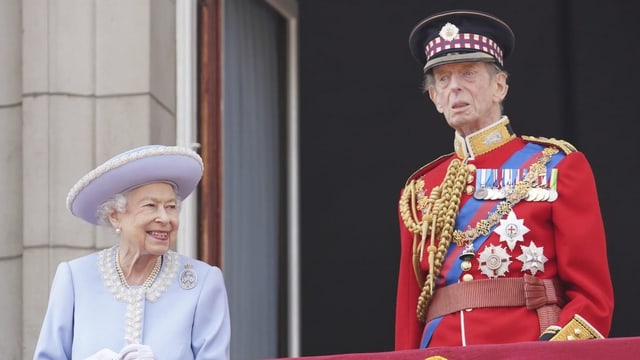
x=434, y=100
x=501, y=86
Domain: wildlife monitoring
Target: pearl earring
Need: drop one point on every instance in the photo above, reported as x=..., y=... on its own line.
x=118, y=231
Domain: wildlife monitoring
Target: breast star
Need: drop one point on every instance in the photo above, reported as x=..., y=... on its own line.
x=511, y=230
x=532, y=258
x=494, y=261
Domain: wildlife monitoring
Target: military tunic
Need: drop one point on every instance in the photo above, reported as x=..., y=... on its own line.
x=555, y=232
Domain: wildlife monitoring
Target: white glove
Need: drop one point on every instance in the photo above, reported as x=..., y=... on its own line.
x=136, y=352
x=104, y=354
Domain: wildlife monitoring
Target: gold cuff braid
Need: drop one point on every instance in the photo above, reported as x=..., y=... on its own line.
x=577, y=329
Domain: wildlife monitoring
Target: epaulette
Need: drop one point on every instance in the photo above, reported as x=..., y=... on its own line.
x=427, y=167
x=563, y=145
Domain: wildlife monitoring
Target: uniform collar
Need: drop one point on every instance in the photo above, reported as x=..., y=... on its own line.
x=483, y=140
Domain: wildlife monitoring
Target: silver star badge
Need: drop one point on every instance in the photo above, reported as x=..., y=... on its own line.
x=511, y=230
x=532, y=258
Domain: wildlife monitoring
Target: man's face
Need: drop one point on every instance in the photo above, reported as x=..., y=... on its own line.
x=468, y=94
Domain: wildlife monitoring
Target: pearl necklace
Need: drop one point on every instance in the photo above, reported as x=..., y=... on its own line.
x=150, y=279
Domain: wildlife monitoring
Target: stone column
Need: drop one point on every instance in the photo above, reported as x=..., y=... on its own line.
x=10, y=179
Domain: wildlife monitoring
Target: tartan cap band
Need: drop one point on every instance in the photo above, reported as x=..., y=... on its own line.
x=464, y=41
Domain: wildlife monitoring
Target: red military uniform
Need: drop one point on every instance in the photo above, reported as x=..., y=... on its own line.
x=554, y=233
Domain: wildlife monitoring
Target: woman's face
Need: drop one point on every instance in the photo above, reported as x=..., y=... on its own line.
x=150, y=221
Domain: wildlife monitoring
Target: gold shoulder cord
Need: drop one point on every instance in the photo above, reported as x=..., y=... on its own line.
x=563, y=145
x=439, y=212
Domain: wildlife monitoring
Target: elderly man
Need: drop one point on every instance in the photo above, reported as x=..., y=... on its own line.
x=502, y=240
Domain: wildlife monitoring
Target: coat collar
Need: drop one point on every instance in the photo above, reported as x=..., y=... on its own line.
x=483, y=140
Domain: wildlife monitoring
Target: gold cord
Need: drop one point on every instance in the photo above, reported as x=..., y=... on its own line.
x=438, y=218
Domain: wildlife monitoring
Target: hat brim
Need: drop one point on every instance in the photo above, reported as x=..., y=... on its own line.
x=178, y=166
x=458, y=58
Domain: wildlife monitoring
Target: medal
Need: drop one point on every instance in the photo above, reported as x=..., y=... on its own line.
x=539, y=194
x=494, y=194
x=481, y=194
x=481, y=184
x=545, y=195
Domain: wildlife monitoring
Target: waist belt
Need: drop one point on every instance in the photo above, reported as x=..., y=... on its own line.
x=543, y=295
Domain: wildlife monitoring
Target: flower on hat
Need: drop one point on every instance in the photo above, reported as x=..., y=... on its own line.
x=449, y=31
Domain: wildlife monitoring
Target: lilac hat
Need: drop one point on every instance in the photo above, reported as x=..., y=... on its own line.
x=179, y=166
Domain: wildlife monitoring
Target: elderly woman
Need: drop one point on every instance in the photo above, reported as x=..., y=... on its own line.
x=138, y=299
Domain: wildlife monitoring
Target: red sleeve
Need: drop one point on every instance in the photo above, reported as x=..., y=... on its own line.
x=581, y=245
x=408, y=327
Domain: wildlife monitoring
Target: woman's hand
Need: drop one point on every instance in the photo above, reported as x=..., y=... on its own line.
x=136, y=352
x=104, y=354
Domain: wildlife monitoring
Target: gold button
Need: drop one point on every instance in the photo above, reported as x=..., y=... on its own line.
x=469, y=189
x=465, y=265
x=467, y=277
x=470, y=179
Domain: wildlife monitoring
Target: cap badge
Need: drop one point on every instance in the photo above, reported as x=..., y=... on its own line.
x=449, y=31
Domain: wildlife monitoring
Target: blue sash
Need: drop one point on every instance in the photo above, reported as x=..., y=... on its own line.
x=467, y=213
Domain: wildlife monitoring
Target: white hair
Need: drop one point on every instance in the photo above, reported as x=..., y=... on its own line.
x=117, y=203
